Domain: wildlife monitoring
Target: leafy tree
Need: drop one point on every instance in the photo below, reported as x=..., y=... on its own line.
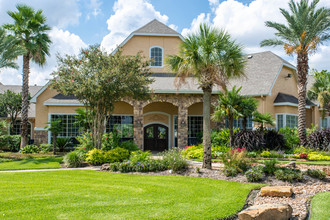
x=248, y=107
x=320, y=90
x=11, y=105
x=99, y=80
x=306, y=28
x=263, y=119
x=230, y=106
x=29, y=31
x=9, y=50
x=212, y=57
x=56, y=127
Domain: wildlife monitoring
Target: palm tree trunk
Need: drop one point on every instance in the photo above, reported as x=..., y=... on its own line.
x=244, y=123
x=207, y=163
x=25, y=99
x=231, y=133
x=54, y=142
x=302, y=71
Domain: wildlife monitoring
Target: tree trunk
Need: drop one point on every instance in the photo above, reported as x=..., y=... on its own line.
x=244, y=123
x=54, y=143
x=207, y=163
x=302, y=71
x=25, y=99
x=231, y=133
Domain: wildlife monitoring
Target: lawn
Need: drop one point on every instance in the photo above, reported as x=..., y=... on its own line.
x=281, y=161
x=25, y=163
x=87, y=194
x=321, y=206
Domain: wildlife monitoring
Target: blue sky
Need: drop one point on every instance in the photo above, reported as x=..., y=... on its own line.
x=79, y=23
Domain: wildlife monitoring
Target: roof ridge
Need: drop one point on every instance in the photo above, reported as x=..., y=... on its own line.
x=156, y=27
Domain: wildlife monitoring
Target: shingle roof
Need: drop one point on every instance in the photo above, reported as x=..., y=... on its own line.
x=286, y=98
x=61, y=99
x=17, y=89
x=155, y=27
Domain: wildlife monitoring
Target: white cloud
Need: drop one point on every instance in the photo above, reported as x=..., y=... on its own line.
x=95, y=6
x=128, y=16
x=202, y=18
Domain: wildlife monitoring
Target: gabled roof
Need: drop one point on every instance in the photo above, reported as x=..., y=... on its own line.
x=155, y=27
x=61, y=99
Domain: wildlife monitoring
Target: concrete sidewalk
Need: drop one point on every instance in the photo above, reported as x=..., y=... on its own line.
x=36, y=170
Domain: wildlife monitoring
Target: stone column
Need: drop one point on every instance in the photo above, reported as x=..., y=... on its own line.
x=40, y=137
x=182, y=126
x=138, y=124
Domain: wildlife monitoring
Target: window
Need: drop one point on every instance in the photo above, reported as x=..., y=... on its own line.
x=17, y=128
x=195, y=130
x=70, y=128
x=122, y=124
x=238, y=123
x=325, y=122
x=156, y=54
x=175, y=130
x=286, y=120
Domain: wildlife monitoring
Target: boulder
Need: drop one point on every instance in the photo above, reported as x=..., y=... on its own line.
x=105, y=167
x=291, y=165
x=266, y=212
x=327, y=170
x=276, y=191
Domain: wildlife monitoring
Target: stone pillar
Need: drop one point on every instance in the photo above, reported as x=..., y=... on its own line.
x=138, y=124
x=40, y=137
x=182, y=126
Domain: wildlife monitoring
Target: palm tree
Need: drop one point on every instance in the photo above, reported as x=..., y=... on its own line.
x=230, y=106
x=263, y=119
x=249, y=106
x=9, y=51
x=306, y=28
x=320, y=90
x=210, y=56
x=29, y=29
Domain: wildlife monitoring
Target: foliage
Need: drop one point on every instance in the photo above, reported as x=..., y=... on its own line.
x=55, y=127
x=263, y=119
x=302, y=149
x=129, y=145
x=83, y=119
x=230, y=171
x=266, y=154
x=14, y=142
x=45, y=148
x=95, y=157
x=110, y=141
x=73, y=159
x=255, y=174
x=270, y=166
x=315, y=173
x=236, y=160
x=302, y=156
x=193, y=152
x=274, y=140
x=139, y=156
x=290, y=175
x=10, y=106
x=173, y=160
x=249, y=106
x=250, y=140
x=86, y=141
x=221, y=137
x=3, y=127
x=211, y=57
x=290, y=136
x=320, y=140
x=317, y=157
x=99, y=80
x=116, y=155
x=9, y=51
x=29, y=149
x=252, y=154
x=64, y=144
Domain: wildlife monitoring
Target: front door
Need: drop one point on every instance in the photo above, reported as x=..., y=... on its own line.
x=155, y=137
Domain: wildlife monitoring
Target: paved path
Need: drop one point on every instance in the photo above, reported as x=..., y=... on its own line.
x=35, y=170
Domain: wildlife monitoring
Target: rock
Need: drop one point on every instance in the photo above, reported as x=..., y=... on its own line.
x=276, y=191
x=327, y=170
x=105, y=167
x=291, y=165
x=266, y=212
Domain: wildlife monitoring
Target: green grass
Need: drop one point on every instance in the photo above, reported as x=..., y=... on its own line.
x=281, y=161
x=321, y=206
x=26, y=163
x=83, y=194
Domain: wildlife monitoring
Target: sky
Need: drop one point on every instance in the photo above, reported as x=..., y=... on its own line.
x=79, y=23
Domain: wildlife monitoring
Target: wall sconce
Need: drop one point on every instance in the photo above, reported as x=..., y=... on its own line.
x=288, y=76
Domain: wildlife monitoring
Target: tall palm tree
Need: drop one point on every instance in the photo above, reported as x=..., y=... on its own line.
x=210, y=56
x=230, y=106
x=9, y=50
x=263, y=119
x=29, y=29
x=306, y=28
x=320, y=90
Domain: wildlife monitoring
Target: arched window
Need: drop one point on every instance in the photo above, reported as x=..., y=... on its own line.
x=156, y=55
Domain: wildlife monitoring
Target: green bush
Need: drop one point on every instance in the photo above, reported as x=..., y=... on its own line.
x=315, y=173
x=266, y=154
x=14, y=142
x=30, y=149
x=86, y=141
x=289, y=175
x=116, y=155
x=64, y=144
x=193, y=152
x=221, y=137
x=173, y=160
x=95, y=157
x=291, y=136
x=318, y=157
x=236, y=160
x=139, y=156
x=73, y=159
x=230, y=171
x=270, y=166
x=129, y=145
x=254, y=174
x=110, y=141
x=302, y=149
x=252, y=154
x=46, y=148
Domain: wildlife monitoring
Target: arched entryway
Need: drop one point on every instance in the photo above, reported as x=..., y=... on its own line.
x=156, y=137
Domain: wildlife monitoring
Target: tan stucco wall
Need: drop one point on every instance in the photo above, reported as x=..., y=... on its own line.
x=41, y=109
x=123, y=108
x=143, y=44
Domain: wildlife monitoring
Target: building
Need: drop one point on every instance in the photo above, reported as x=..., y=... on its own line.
x=174, y=115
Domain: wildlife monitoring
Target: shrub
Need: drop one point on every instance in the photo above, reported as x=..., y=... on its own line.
x=236, y=160
x=129, y=145
x=64, y=144
x=46, y=148
x=302, y=149
x=95, y=157
x=30, y=149
x=110, y=141
x=139, y=156
x=320, y=140
x=270, y=166
x=318, y=174
x=303, y=156
x=86, y=141
x=291, y=136
x=230, y=171
x=221, y=137
x=276, y=154
x=318, y=157
x=173, y=160
x=252, y=154
x=250, y=140
x=73, y=159
x=193, y=152
x=289, y=175
x=266, y=153
x=254, y=174
x=14, y=142
x=116, y=155
x=274, y=140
